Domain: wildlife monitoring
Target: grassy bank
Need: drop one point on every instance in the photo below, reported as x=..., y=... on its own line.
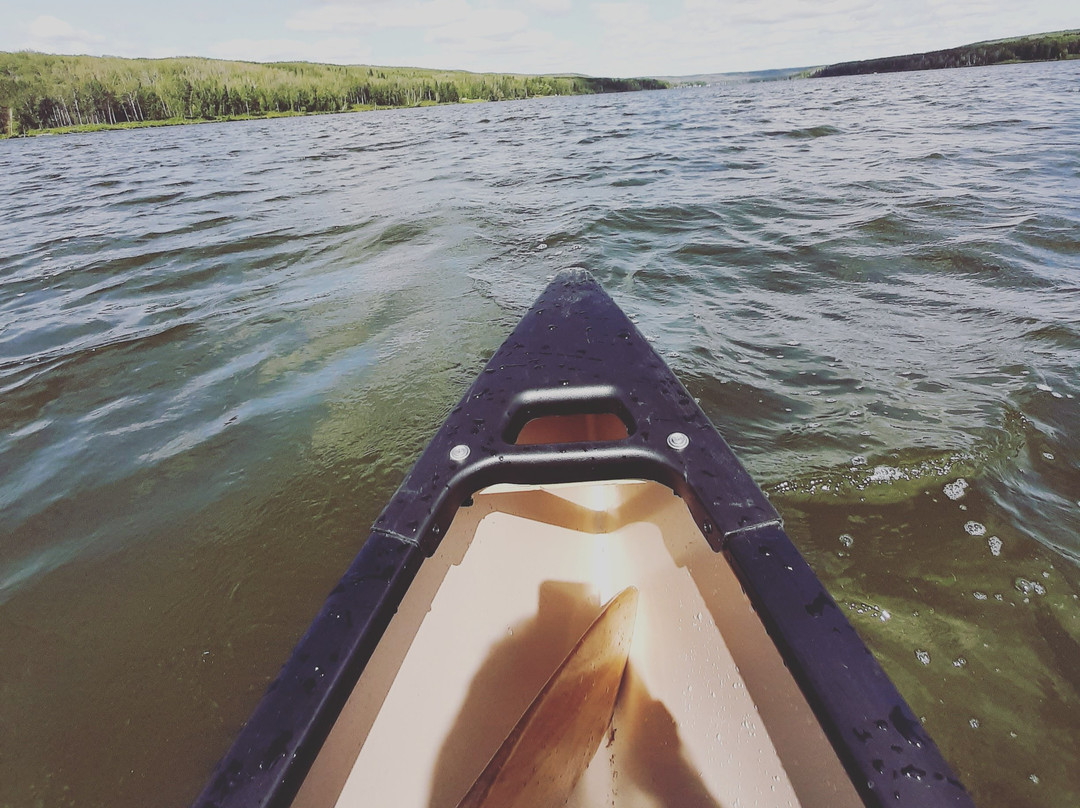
x=43, y=92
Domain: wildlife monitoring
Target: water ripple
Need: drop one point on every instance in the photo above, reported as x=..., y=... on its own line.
x=222, y=345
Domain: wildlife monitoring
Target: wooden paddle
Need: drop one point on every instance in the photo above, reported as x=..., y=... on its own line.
x=550, y=748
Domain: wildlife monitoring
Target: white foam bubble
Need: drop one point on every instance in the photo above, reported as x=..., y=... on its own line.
x=1026, y=587
x=975, y=528
x=923, y=656
x=995, y=545
x=886, y=474
x=957, y=489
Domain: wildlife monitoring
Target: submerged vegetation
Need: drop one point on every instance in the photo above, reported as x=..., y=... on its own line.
x=41, y=92
x=1036, y=48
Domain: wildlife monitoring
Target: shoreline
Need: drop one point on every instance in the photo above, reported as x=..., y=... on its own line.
x=1056, y=46
x=814, y=75
x=80, y=129
x=53, y=94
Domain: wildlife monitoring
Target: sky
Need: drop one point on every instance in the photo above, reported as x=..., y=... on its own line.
x=594, y=37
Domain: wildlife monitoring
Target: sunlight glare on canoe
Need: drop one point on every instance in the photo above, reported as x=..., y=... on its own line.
x=608, y=566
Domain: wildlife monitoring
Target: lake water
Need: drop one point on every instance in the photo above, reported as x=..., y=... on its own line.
x=222, y=346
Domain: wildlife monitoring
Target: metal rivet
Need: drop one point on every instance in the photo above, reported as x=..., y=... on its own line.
x=459, y=453
x=678, y=441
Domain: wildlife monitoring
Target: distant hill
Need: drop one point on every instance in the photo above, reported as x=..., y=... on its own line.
x=777, y=74
x=1034, y=48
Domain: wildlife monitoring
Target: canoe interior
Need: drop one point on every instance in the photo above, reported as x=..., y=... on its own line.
x=707, y=714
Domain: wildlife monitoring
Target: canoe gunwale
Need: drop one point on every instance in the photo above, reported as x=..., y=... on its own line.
x=576, y=352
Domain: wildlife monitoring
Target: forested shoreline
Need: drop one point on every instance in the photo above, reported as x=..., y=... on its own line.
x=40, y=92
x=1035, y=48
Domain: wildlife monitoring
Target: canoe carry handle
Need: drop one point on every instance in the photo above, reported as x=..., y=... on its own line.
x=592, y=413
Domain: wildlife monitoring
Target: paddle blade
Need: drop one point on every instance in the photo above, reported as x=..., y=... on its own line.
x=550, y=748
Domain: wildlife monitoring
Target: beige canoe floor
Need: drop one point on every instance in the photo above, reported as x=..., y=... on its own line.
x=707, y=716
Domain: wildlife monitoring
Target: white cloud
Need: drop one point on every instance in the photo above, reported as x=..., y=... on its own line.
x=493, y=24
x=776, y=11
x=552, y=6
x=522, y=52
x=337, y=50
x=52, y=35
x=639, y=37
x=453, y=31
x=705, y=36
x=602, y=37
x=352, y=17
x=623, y=15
